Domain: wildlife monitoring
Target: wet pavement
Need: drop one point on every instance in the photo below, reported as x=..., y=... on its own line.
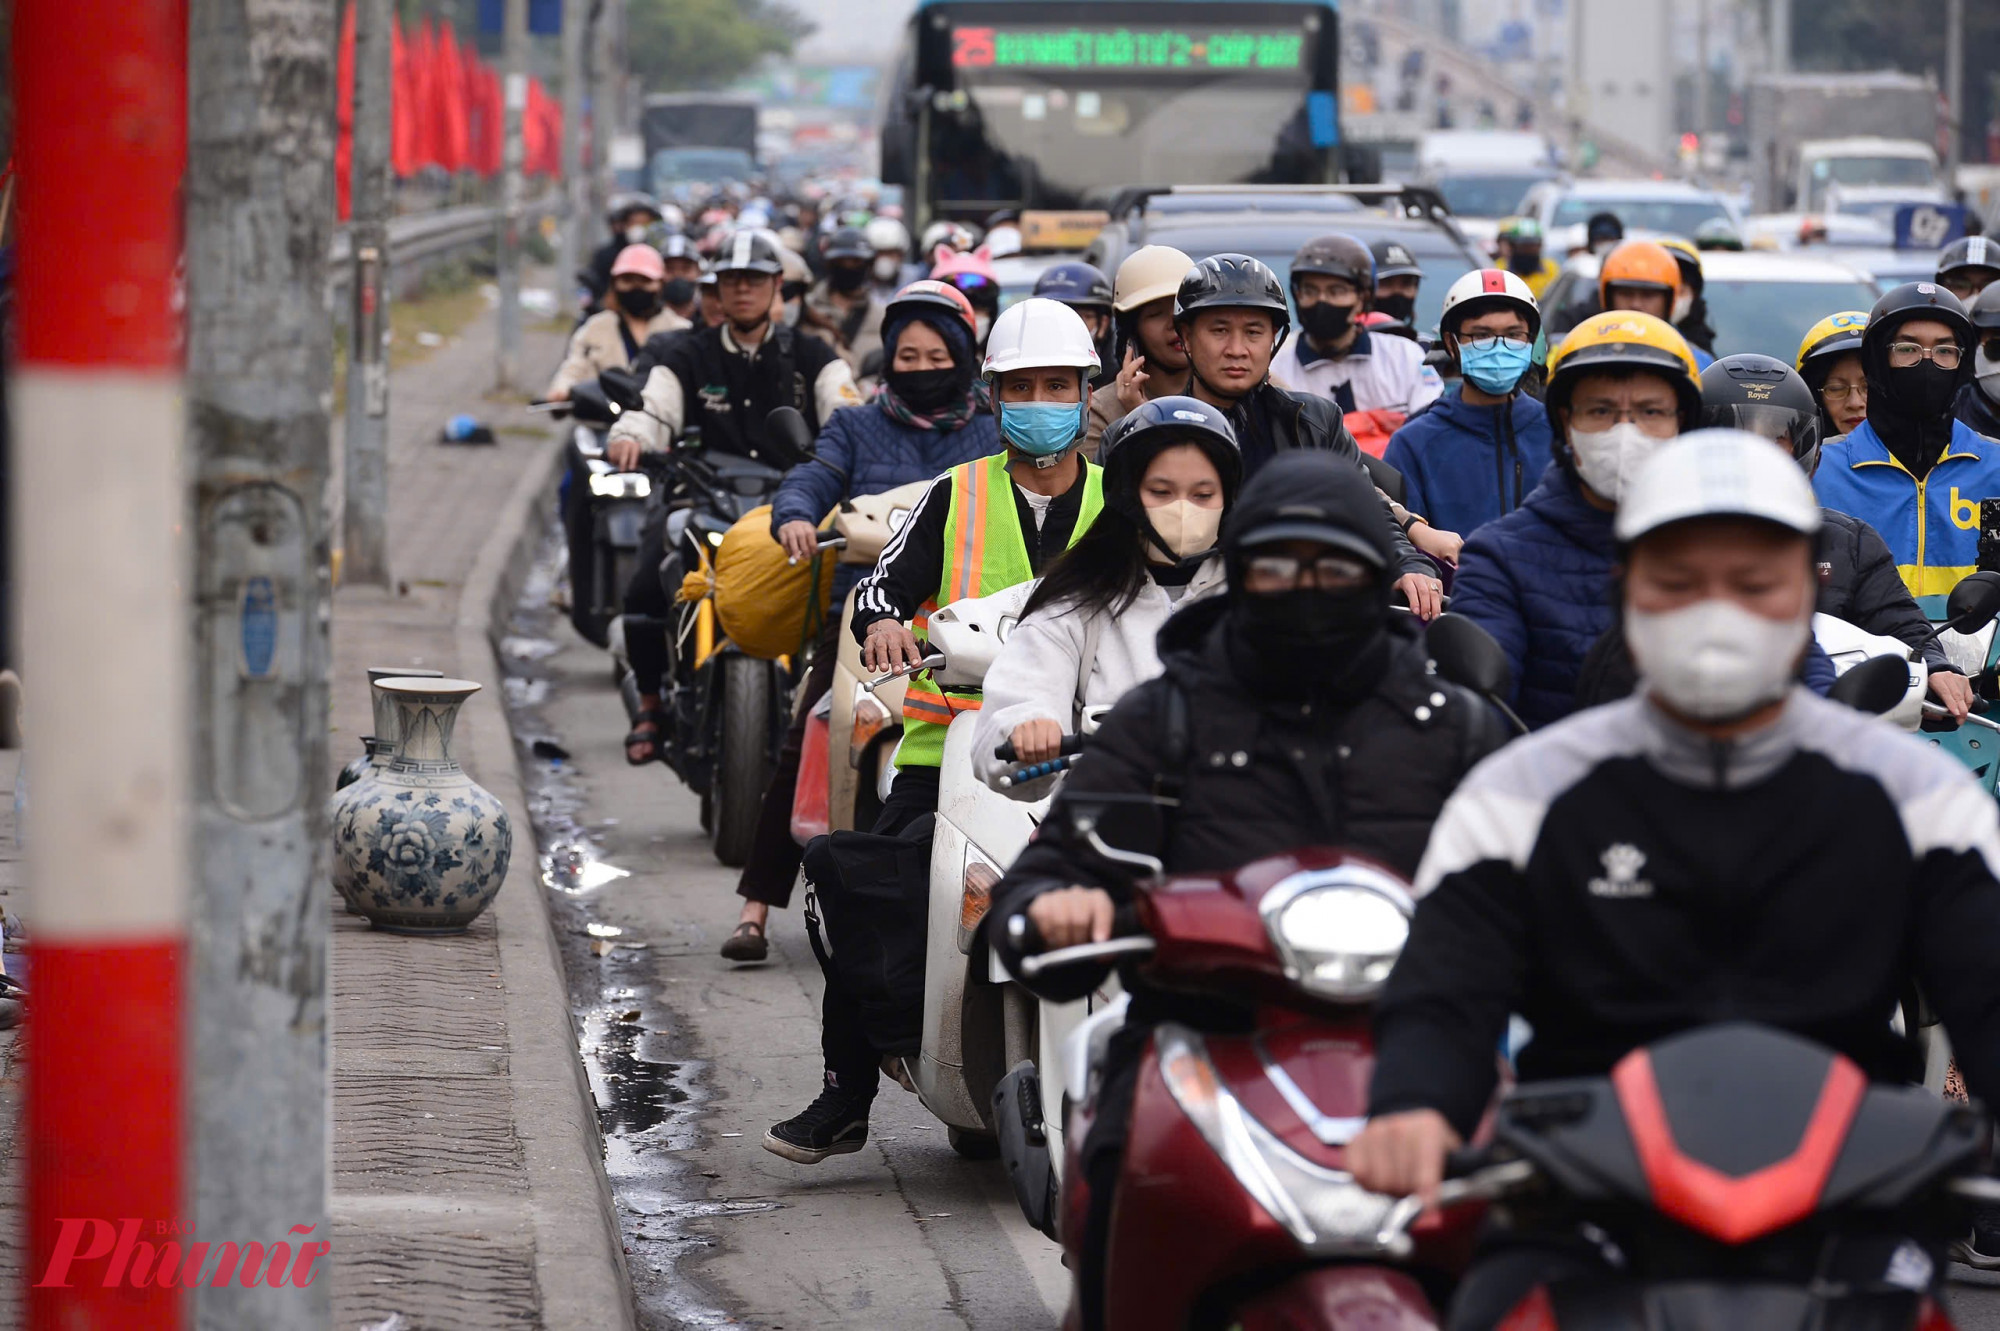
x=690, y=1059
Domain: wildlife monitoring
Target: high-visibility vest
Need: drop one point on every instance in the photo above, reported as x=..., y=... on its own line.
x=984, y=553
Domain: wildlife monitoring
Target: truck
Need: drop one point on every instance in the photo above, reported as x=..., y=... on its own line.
x=698, y=135
x=1808, y=131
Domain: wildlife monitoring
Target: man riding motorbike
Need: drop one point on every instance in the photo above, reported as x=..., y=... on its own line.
x=1520, y=253
x=1295, y=710
x=1084, y=289
x=722, y=381
x=985, y=525
x=842, y=306
x=1231, y=315
x=629, y=216
x=1726, y=847
x=1968, y=266
x=1333, y=285
x=1643, y=276
x=1149, y=360
x=1398, y=280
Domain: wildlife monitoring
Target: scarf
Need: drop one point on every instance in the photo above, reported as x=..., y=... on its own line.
x=945, y=420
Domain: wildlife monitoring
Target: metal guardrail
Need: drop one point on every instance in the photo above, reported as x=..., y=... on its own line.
x=419, y=238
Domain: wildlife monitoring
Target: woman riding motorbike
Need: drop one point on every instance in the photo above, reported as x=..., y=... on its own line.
x=611, y=338
x=1830, y=363
x=1088, y=632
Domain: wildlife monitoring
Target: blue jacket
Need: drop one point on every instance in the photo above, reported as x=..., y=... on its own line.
x=1464, y=466
x=1932, y=525
x=862, y=451
x=1540, y=580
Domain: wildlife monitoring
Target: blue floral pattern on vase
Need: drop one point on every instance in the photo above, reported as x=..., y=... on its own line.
x=423, y=845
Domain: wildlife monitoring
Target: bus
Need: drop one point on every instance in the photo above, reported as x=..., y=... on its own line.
x=1030, y=104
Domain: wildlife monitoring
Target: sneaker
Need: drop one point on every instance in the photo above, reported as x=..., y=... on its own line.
x=1982, y=1250
x=834, y=1124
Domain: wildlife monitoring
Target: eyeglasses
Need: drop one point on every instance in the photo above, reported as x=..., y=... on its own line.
x=1487, y=341
x=1604, y=415
x=1282, y=573
x=1902, y=355
x=1841, y=392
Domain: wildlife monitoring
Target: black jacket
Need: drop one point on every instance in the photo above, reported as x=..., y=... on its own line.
x=726, y=394
x=1260, y=775
x=1616, y=879
x=1858, y=582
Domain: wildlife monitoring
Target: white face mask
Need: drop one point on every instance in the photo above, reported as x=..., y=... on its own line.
x=1683, y=303
x=1608, y=459
x=1714, y=660
x=635, y=235
x=887, y=267
x=1186, y=527
x=981, y=327
x=1988, y=371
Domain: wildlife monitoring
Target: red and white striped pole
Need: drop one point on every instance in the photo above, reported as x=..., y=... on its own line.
x=100, y=550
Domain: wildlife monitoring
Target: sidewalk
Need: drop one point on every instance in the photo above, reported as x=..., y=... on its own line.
x=468, y=1188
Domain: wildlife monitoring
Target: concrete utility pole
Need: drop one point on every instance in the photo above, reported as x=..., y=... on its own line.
x=576, y=192
x=101, y=95
x=1954, y=86
x=1781, y=36
x=365, y=534
x=259, y=208
x=514, y=61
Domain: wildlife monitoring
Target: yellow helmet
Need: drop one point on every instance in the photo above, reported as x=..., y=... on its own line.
x=1835, y=335
x=1688, y=257
x=1625, y=340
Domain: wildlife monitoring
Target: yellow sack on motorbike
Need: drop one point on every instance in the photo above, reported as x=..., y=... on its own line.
x=768, y=606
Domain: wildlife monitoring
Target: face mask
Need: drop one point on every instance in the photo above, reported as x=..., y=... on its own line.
x=791, y=317
x=1988, y=370
x=1185, y=527
x=639, y=302
x=635, y=235
x=1495, y=369
x=1401, y=308
x=1923, y=390
x=1303, y=640
x=1524, y=261
x=844, y=279
x=1600, y=248
x=1043, y=429
x=1326, y=322
x=1608, y=459
x=1683, y=305
x=679, y=291
x=1714, y=660
x=927, y=390
x=887, y=268
x=981, y=327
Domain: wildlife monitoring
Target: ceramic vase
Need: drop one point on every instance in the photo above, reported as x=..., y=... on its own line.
x=425, y=847
x=376, y=751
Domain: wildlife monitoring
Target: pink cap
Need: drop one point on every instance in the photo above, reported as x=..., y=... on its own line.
x=641, y=259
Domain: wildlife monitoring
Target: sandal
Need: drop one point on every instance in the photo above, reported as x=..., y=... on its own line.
x=747, y=943
x=650, y=729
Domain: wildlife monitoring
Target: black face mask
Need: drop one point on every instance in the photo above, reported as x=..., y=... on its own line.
x=1526, y=262
x=927, y=390
x=639, y=302
x=846, y=280
x=1403, y=309
x=1922, y=391
x=680, y=290
x=1325, y=321
x=1310, y=641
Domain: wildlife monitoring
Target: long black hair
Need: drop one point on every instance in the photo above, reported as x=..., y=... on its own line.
x=1104, y=571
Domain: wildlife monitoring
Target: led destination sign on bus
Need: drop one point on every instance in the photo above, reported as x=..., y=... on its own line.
x=1126, y=49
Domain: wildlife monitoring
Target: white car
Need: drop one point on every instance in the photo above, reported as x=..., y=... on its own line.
x=1644, y=207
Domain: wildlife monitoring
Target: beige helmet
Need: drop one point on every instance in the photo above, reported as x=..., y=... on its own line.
x=1149, y=273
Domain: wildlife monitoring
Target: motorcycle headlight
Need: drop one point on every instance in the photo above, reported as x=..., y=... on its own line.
x=1338, y=931
x=620, y=484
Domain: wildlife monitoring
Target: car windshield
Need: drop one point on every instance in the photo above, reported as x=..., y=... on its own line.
x=1770, y=317
x=1680, y=217
x=677, y=164
x=1875, y=170
x=1484, y=196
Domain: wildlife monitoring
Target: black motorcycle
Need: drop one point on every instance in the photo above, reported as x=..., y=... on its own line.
x=603, y=511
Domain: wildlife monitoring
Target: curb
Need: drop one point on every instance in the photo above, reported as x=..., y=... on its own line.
x=580, y=1266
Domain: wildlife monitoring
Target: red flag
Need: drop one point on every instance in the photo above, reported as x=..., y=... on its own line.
x=454, y=134
x=343, y=143
x=403, y=146
x=423, y=100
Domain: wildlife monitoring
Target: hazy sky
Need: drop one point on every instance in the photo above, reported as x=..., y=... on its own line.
x=869, y=29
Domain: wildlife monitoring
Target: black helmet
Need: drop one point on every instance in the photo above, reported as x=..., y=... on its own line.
x=1134, y=439
x=1237, y=282
x=633, y=201
x=675, y=245
x=1075, y=283
x=1393, y=259
x=1969, y=252
x=1900, y=305
x=1985, y=312
x=1603, y=226
x=751, y=249
x=1336, y=255
x=1765, y=396
x=849, y=242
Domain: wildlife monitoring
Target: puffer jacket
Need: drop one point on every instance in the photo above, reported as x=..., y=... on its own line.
x=1977, y=410
x=1463, y=466
x=862, y=451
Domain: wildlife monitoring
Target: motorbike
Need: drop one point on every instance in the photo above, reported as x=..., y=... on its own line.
x=1965, y=629
x=603, y=512
x=1848, y=646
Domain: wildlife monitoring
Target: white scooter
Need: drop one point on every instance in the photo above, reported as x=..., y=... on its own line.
x=1849, y=646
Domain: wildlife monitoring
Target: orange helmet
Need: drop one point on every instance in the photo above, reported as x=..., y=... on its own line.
x=1641, y=264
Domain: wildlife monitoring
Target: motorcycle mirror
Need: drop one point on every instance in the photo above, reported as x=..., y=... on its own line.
x=1974, y=602
x=791, y=439
x=1469, y=656
x=588, y=403
x=623, y=387
x=1874, y=686
x=1105, y=822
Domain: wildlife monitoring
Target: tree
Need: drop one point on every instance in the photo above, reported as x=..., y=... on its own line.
x=682, y=44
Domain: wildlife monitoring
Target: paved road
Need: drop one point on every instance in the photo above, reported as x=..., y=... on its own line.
x=691, y=1060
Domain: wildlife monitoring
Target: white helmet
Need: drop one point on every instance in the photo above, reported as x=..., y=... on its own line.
x=1498, y=286
x=1036, y=332
x=1149, y=273
x=947, y=233
x=886, y=233
x=1715, y=474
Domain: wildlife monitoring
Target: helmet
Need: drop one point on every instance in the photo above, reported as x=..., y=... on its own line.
x=929, y=297
x=1765, y=396
x=1603, y=226
x=1075, y=283
x=1149, y=273
x=707, y=278
x=1985, y=312
x=1969, y=252
x=1036, y=332
x=1133, y=440
x=620, y=204
x=641, y=259
x=1898, y=306
x=1716, y=474
x=953, y=235
x=1335, y=255
x=1519, y=229
x=671, y=216
x=1835, y=335
x=948, y=264
x=751, y=250
x=1483, y=289
x=1393, y=259
x=1236, y=281
x=886, y=233
x=1689, y=259
x=797, y=276
x=1642, y=264
x=1625, y=340
x=1717, y=234
x=675, y=245
x=846, y=243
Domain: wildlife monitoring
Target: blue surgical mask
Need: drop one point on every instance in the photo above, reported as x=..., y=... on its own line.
x=1495, y=369
x=1043, y=429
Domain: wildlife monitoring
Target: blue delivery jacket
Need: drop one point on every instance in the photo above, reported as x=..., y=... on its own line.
x=1931, y=525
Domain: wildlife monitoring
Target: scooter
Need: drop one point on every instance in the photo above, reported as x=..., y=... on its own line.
x=1965, y=623
x=1848, y=646
x=603, y=512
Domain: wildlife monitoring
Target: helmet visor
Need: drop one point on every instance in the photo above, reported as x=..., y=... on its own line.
x=1794, y=429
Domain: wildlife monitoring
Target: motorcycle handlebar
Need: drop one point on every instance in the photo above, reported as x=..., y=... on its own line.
x=1071, y=746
